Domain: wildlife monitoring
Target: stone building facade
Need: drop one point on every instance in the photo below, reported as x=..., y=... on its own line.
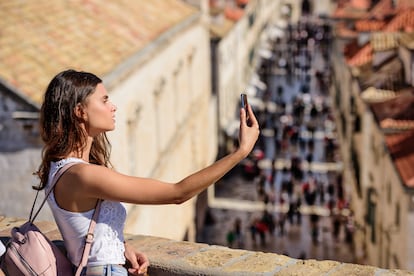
x=373, y=103
x=165, y=124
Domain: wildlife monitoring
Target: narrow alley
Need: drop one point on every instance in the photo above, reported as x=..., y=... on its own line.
x=288, y=196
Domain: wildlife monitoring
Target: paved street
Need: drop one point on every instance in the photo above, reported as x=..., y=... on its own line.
x=297, y=241
x=288, y=196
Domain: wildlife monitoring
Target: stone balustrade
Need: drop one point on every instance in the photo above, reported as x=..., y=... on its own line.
x=173, y=258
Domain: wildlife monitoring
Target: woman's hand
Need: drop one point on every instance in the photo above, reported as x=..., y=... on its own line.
x=137, y=262
x=249, y=130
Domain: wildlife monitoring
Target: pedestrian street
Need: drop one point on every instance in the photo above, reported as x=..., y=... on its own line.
x=288, y=196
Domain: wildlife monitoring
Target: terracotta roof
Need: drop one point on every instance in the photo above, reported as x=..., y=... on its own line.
x=403, y=21
x=401, y=148
x=374, y=20
x=363, y=56
x=379, y=42
x=40, y=38
x=366, y=25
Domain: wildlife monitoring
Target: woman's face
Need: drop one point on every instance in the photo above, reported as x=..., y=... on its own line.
x=99, y=112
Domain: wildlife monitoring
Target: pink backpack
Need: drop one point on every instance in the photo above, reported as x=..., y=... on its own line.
x=29, y=252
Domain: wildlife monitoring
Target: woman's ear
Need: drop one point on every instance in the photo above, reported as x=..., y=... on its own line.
x=79, y=111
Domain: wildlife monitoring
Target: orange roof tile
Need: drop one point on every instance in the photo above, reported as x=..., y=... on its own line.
x=40, y=38
x=401, y=148
x=365, y=25
x=363, y=56
x=403, y=21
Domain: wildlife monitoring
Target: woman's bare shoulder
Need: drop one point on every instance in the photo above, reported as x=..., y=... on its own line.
x=87, y=173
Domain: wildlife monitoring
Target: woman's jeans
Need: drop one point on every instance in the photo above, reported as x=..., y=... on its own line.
x=105, y=270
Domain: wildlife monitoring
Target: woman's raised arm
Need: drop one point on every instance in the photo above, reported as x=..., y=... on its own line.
x=100, y=182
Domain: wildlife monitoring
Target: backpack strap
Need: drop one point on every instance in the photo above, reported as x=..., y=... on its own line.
x=89, y=236
x=89, y=239
x=56, y=177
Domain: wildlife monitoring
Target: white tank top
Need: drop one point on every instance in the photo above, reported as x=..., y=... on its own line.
x=108, y=245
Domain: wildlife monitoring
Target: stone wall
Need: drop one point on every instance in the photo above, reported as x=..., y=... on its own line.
x=174, y=258
x=16, y=181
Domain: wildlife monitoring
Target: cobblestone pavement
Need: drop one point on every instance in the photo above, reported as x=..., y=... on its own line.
x=296, y=128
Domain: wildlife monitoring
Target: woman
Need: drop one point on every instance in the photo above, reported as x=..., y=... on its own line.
x=75, y=115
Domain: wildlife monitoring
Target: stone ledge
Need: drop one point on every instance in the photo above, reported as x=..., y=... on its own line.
x=175, y=258
x=179, y=258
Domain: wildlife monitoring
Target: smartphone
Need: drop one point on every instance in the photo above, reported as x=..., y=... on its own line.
x=243, y=100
